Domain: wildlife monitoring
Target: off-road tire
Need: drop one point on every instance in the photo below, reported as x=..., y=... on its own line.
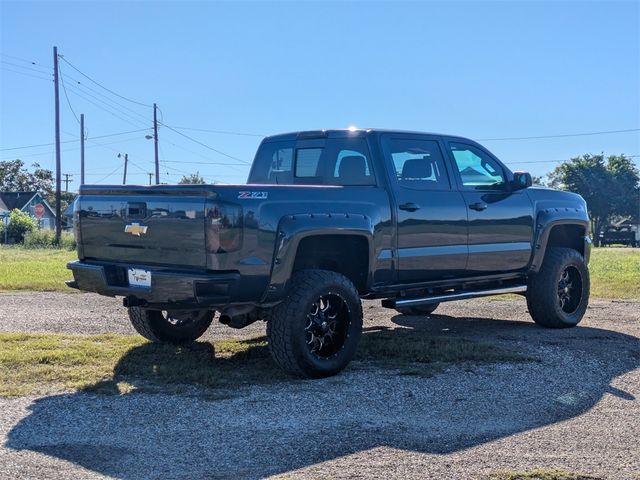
x=155, y=327
x=418, y=309
x=287, y=324
x=543, y=292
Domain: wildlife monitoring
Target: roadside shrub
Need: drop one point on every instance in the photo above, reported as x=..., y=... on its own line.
x=20, y=223
x=45, y=238
x=2, y=227
x=67, y=241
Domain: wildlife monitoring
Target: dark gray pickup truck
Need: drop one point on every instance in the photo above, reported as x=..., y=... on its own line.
x=327, y=218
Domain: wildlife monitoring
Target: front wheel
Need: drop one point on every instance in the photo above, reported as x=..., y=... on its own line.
x=170, y=326
x=558, y=295
x=314, y=332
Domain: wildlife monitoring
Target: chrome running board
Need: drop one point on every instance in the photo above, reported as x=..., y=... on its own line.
x=449, y=297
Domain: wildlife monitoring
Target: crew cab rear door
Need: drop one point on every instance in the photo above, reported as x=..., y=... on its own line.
x=431, y=236
x=500, y=221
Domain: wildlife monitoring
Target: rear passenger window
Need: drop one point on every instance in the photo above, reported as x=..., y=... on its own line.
x=417, y=164
x=334, y=161
x=307, y=161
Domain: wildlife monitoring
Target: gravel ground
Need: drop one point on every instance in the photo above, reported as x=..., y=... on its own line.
x=577, y=408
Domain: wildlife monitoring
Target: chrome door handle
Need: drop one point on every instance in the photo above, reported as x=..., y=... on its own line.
x=409, y=207
x=479, y=206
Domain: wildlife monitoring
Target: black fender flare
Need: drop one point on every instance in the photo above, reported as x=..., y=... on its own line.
x=292, y=229
x=552, y=217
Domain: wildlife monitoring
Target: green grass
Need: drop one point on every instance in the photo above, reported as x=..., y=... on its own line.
x=34, y=270
x=540, y=474
x=615, y=272
x=35, y=363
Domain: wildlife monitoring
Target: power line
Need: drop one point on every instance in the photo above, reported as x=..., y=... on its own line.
x=556, y=161
x=109, y=175
x=38, y=70
x=79, y=85
x=71, y=141
x=77, y=91
x=560, y=136
x=204, y=163
x=100, y=85
x=105, y=109
x=205, y=145
x=26, y=74
x=64, y=89
x=223, y=132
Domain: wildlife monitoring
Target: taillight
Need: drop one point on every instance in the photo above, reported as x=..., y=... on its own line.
x=223, y=227
x=77, y=235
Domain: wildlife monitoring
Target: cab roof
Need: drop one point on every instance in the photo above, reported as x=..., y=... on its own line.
x=349, y=132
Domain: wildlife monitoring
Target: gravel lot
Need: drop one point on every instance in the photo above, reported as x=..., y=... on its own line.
x=577, y=408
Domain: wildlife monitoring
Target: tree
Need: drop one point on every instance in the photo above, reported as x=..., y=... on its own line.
x=610, y=188
x=194, y=179
x=14, y=176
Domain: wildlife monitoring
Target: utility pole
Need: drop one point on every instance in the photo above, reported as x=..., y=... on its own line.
x=155, y=141
x=58, y=163
x=82, y=149
x=66, y=181
x=150, y=176
x=126, y=160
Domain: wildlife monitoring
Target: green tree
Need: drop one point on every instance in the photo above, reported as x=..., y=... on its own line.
x=20, y=223
x=14, y=176
x=610, y=188
x=194, y=179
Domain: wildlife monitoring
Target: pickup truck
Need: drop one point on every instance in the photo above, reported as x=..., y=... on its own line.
x=327, y=218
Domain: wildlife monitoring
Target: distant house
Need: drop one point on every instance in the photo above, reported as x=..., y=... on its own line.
x=26, y=202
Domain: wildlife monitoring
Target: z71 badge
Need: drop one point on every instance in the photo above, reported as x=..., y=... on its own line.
x=253, y=195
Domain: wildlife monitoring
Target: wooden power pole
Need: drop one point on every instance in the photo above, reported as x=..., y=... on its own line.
x=82, y=149
x=155, y=142
x=58, y=163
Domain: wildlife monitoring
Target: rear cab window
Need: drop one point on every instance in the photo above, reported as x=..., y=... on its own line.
x=327, y=161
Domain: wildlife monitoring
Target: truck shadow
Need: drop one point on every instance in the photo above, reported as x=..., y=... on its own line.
x=276, y=427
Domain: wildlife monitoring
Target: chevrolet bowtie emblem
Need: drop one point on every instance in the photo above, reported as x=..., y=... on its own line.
x=135, y=229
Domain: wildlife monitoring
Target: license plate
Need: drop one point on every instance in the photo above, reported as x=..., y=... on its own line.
x=139, y=277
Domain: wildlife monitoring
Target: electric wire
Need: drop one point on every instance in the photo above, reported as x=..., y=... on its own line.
x=100, y=85
x=71, y=141
x=606, y=132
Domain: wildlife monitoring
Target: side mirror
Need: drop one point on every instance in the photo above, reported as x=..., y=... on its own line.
x=521, y=180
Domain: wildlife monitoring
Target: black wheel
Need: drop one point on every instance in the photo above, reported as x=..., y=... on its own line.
x=172, y=326
x=557, y=296
x=418, y=309
x=314, y=332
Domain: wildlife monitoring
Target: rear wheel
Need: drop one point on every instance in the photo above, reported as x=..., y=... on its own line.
x=314, y=332
x=418, y=309
x=558, y=295
x=170, y=326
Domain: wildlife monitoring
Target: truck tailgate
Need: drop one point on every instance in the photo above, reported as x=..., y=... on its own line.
x=144, y=225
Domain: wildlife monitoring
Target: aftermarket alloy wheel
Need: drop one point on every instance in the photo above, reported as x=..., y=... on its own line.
x=558, y=295
x=314, y=332
x=418, y=309
x=170, y=326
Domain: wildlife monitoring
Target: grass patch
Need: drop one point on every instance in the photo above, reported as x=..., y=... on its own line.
x=615, y=273
x=33, y=363
x=540, y=474
x=34, y=270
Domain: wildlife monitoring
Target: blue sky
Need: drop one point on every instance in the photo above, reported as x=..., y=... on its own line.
x=478, y=69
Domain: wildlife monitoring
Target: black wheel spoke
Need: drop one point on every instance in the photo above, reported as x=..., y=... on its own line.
x=327, y=324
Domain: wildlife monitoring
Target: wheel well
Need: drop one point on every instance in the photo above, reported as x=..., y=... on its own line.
x=569, y=236
x=345, y=254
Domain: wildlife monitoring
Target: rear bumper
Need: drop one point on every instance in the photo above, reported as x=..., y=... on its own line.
x=168, y=287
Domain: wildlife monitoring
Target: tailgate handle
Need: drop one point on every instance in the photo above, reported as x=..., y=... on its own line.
x=136, y=210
